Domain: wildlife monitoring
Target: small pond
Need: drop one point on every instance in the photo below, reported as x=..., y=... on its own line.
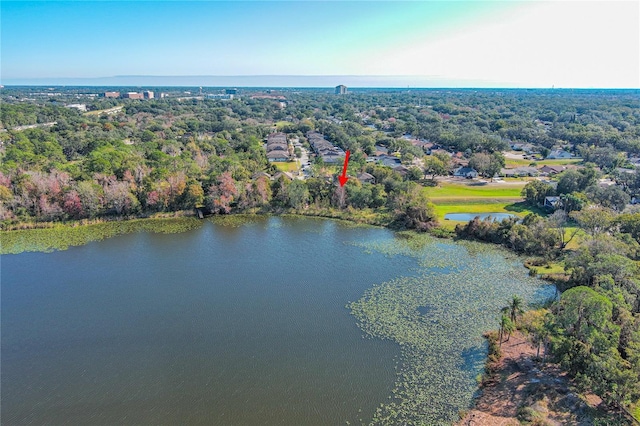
x=465, y=217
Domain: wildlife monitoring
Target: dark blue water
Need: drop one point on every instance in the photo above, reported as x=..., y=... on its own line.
x=218, y=325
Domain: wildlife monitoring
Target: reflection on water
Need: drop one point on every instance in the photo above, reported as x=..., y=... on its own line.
x=466, y=217
x=218, y=325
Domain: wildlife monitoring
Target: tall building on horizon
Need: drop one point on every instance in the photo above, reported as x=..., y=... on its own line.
x=341, y=90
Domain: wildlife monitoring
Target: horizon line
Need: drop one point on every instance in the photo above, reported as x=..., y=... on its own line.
x=280, y=80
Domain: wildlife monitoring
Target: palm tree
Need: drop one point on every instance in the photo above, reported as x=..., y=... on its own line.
x=506, y=327
x=514, y=309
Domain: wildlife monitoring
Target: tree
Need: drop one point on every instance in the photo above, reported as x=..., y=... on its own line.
x=222, y=194
x=411, y=206
x=90, y=195
x=573, y=202
x=514, y=309
x=298, y=194
x=594, y=219
x=612, y=196
x=534, y=322
x=119, y=198
x=585, y=341
x=481, y=162
x=576, y=180
x=496, y=163
x=194, y=196
x=72, y=205
x=558, y=221
x=536, y=191
x=437, y=164
x=487, y=164
x=506, y=327
x=630, y=223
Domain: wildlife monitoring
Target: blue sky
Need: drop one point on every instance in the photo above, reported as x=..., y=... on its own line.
x=477, y=43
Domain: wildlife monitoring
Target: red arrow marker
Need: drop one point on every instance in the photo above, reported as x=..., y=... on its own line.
x=343, y=178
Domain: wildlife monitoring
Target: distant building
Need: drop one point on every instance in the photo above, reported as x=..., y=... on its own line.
x=231, y=91
x=79, y=107
x=277, y=147
x=366, y=178
x=551, y=170
x=133, y=95
x=466, y=172
x=341, y=90
x=161, y=95
x=148, y=95
x=222, y=96
x=323, y=148
x=111, y=94
x=558, y=154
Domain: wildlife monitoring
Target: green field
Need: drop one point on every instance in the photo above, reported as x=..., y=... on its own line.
x=511, y=162
x=282, y=124
x=474, y=192
x=288, y=166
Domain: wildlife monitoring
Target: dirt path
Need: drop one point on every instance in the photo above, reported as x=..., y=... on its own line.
x=526, y=389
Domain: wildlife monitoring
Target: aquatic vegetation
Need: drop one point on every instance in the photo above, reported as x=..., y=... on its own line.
x=62, y=237
x=438, y=318
x=235, y=220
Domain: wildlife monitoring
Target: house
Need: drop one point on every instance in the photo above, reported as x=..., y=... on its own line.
x=551, y=170
x=605, y=183
x=259, y=175
x=285, y=175
x=526, y=171
x=323, y=148
x=388, y=160
x=552, y=202
x=558, y=154
x=466, y=172
x=366, y=178
x=381, y=150
x=277, y=147
x=622, y=171
x=425, y=146
x=508, y=172
x=402, y=170
x=277, y=156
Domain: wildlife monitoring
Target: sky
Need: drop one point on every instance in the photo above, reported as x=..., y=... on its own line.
x=562, y=44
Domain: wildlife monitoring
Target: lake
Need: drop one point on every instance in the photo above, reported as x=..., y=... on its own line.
x=236, y=325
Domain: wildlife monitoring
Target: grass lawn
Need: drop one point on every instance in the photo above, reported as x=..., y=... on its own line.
x=512, y=162
x=551, y=268
x=460, y=192
x=281, y=124
x=288, y=166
